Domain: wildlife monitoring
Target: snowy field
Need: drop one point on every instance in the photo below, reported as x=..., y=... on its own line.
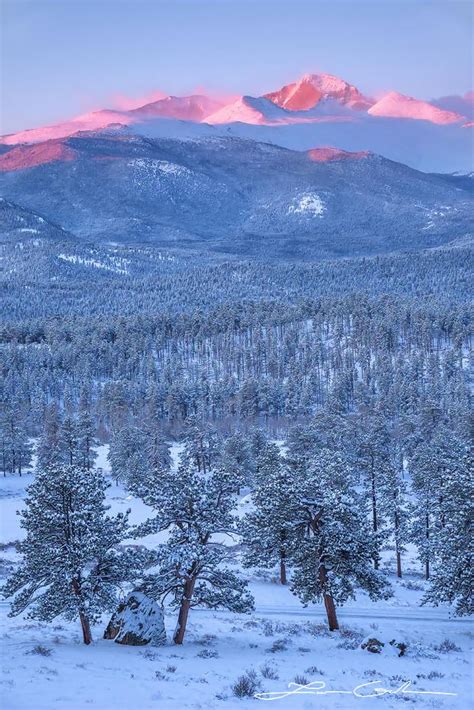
x=46, y=666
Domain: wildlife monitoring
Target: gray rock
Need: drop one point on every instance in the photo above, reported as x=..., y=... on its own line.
x=138, y=621
x=372, y=645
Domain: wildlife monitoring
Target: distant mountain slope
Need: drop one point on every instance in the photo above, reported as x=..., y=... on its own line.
x=231, y=196
x=18, y=224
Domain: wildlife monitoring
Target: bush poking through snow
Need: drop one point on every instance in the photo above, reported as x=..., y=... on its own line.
x=301, y=680
x=314, y=670
x=278, y=645
x=207, y=653
x=269, y=672
x=40, y=651
x=446, y=646
x=246, y=685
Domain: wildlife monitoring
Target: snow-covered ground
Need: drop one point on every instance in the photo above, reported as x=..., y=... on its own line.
x=45, y=666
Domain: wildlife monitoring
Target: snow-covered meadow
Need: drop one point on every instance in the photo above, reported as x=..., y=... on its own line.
x=47, y=666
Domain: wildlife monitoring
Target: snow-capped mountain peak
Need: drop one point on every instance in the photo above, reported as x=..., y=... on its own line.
x=396, y=105
x=312, y=88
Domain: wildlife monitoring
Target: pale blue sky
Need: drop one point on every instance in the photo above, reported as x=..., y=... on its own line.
x=63, y=57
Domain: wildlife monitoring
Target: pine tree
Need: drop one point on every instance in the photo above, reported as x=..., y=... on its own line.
x=267, y=529
x=49, y=446
x=157, y=450
x=201, y=444
x=69, y=440
x=194, y=505
x=70, y=567
x=334, y=545
x=425, y=476
x=127, y=456
x=372, y=458
x=394, y=506
x=452, y=580
x=15, y=446
x=86, y=440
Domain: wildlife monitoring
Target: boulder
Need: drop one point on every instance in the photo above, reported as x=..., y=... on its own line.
x=372, y=645
x=400, y=646
x=138, y=621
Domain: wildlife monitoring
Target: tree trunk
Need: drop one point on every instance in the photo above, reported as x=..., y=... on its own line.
x=427, y=563
x=398, y=554
x=374, y=512
x=184, y=611
x=86, y=629
x=331, y=612
x=399, y=565
x=328, y=601
x=283, y=579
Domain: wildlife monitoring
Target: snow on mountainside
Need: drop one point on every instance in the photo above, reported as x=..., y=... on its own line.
x=184, y=108
x=238, y=197
x=397, y=105
x=86, y=122
x=463, y=105
x=312, y=88
x=247, y=109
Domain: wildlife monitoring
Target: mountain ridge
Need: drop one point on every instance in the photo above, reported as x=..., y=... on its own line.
x=230, y=196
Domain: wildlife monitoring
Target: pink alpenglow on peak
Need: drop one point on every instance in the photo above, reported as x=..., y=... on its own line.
x=247, y=109
x=87, y=122
x=29, y=156
x=312, y=88
x=327, y=154
x=395, y=105
x=185, y=108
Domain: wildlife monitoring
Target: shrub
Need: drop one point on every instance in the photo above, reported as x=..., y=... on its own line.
x=278, y=645
x=207, y=653
x=301, y=680
x=246, y=685
x=40, y=651
x=446, y=646
x=314, y=670
x=269, y=672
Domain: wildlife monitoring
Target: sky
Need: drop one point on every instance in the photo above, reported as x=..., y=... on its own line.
x=61, y=58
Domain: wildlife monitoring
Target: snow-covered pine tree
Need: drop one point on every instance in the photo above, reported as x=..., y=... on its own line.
x=48, y=450
x=452, y=580
x=70, y=567
x=425, y=474
x=394, y=506
x=372, y=458
x=69, y=440
x=86, y=440
x=237, y=452
x=267, y=529
x=15, y=447
x=157, y=450
x=194, y=505
x=127, y=456
x=334, y=545
x=202, y=444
